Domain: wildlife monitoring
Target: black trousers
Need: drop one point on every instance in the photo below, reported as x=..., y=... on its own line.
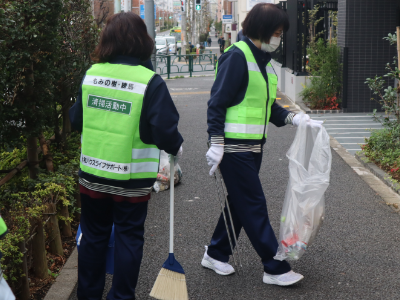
x=97, y=218
x=249, y=211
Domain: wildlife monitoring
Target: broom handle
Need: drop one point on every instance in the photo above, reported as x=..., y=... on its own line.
x=171, y=200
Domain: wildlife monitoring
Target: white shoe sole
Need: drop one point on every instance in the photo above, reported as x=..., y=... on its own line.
x=206, y=264
x=268, y=280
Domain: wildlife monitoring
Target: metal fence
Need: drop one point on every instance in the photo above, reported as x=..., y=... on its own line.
x=292, y=53
x=190, y=63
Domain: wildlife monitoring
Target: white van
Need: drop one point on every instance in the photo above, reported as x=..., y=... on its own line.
x=171, y=41
x=161, y=45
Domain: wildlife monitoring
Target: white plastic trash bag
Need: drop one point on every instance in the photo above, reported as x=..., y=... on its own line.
x=303, y=211
x=5, y=291
x=162, y=182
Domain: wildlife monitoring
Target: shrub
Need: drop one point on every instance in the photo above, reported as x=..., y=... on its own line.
x=383, y=147
x=325, y=83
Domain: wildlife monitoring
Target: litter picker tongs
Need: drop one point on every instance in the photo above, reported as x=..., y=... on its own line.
x=221, y=195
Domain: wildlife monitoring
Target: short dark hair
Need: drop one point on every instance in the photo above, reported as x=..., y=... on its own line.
x=263, y=20
x=125, y=33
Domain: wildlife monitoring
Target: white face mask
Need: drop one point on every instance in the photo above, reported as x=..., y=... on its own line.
x=274, y=43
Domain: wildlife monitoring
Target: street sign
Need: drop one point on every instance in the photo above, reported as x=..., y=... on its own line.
x=176, y=6
x=142, y=12
x=226, y=19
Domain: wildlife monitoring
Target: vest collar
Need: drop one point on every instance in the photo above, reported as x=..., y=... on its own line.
x=126, y=60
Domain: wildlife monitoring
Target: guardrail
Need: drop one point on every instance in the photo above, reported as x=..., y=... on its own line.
x=189, y=63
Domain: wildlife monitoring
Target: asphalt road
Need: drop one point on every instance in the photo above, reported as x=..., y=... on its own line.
x=355, y=255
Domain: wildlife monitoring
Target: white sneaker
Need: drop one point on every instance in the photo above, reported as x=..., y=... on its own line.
x=286, y=279
x=219, y=267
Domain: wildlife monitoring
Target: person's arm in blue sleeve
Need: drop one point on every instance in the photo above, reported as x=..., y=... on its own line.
x=76, y=112
x=278, y=115
x=232, y=68
x=159, y=120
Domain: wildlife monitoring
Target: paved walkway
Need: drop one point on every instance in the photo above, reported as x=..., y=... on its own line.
x=355, y=256
x=349, y=129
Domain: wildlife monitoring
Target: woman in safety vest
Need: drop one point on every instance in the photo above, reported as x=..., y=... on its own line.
x=5, y=291
x=126, y=116
x=241, y=105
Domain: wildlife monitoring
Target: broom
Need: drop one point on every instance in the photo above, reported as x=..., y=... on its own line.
x=171, y=282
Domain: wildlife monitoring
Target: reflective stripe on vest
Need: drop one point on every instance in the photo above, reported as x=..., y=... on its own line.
x=112, y=98
x=145, y=153
x=252, y=66
x=244, y=128
x=119, y=168
x=115, y=84
x=3, y=228
x=249, y=119
x=270, y=70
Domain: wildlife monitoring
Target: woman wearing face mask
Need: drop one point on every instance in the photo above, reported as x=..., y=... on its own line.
x=241, y=105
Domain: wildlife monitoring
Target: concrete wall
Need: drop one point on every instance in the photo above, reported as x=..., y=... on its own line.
x=288, y=83
x=280, y=73
x=294, y=85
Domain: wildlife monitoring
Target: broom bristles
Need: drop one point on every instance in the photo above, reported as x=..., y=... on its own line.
x=170, y=285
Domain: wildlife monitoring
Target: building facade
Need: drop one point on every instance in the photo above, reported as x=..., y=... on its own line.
x=362, y=24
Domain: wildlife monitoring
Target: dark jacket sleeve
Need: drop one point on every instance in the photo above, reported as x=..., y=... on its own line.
x=231, y=75
x=159, y=119
x=278, y=115
x=76, y=112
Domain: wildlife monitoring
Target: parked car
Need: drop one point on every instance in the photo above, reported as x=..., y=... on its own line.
x=161, y=45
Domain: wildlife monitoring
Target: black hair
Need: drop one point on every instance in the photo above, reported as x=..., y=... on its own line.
x=263, y=20
x=125, y=33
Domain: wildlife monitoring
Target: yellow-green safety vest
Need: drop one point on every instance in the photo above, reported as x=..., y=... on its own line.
x=249, y=119
x=112, y=99
x=3, y=228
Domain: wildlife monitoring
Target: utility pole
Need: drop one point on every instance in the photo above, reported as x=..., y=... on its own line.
x=149, y=20
x=183, y=29
x=234, y=21
x=117, y=6
x=193, y=23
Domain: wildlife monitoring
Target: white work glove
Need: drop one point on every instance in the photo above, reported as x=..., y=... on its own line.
x=214, y=156
x=297, y=119
x=314, y=123
x=178, y=156
x=309, y=122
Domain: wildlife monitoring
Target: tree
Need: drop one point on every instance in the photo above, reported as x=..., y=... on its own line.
x=79, y=36
x=29, y=35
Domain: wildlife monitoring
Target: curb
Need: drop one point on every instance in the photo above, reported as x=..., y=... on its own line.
x=65, y=283
x=378, y=172
x=318, y=111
